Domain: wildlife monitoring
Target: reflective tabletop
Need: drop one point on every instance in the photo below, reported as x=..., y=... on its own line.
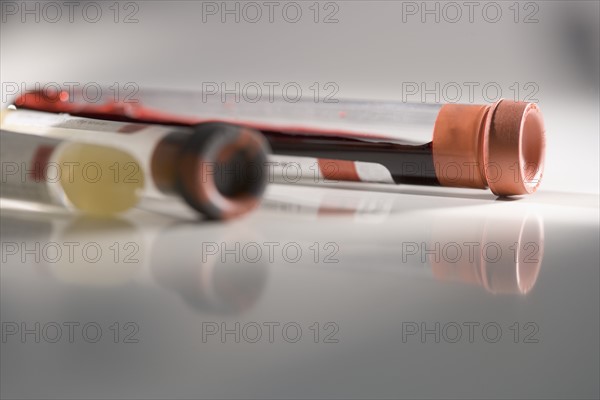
x=349, y=292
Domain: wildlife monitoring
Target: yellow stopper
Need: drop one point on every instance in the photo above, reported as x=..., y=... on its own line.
x=100, y=180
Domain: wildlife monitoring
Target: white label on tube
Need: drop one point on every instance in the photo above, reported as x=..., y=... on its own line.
x=373, y=172
x=100, y=132
x=29, y=169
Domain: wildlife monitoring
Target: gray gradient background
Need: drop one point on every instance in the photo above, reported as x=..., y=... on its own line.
x=369, y=53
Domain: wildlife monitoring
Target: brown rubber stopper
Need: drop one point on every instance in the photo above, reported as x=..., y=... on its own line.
x=515, y=147
x=501, y=146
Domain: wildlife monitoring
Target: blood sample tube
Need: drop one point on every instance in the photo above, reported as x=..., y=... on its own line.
x=217, y=168
x=69, y=175
x=500, y=146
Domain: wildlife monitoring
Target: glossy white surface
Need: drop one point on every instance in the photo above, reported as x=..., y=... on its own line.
x=385, y=284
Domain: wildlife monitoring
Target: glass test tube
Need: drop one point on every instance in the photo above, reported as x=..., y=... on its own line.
x=500, y=146
x=216, y=168
x=68, y=175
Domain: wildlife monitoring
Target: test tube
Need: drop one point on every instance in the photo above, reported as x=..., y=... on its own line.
x=216, y=168
x=67, y=175
x=500, y=146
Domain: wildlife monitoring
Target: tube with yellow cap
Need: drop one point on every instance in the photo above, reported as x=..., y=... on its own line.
x=214, y=169
x=93, y=179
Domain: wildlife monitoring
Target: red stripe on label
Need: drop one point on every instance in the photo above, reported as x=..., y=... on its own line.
x=334, y=211
x=338, y=170
x=40, y=162
x=131, y=128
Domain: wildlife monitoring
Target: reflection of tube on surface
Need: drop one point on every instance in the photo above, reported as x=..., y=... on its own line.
x=78, y=176
x=120, y=256
x=324, y=204
x=205, y=280
x=110, y=252
x=217, y=168
x=507, y=260
x=500, y=146
x=502, y=254
x=82, y=251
